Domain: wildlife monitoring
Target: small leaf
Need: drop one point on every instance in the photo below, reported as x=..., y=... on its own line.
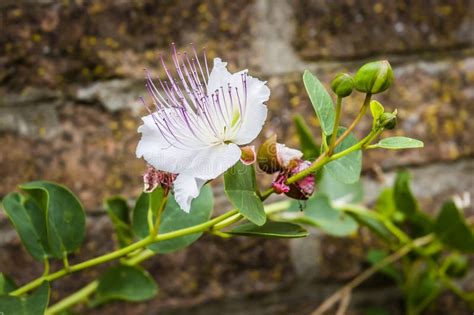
x=320, y=213
x=6, y=284
x=119, y=213
x=125, y=283
x=240, y=188
x=270, y=229
x=396, y=143
x=336, y=190
x=377, y=110
x=65, y=217
x=308, y=145
x=33, y=304
x=451, y=228
x=321, y=101
x=173, y=218
x=347, y=168
x=29, y=224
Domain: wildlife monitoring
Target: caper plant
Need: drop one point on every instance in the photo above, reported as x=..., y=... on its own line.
x=200, y=125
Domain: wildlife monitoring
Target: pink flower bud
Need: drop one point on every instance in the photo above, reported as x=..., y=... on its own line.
x=248, y=156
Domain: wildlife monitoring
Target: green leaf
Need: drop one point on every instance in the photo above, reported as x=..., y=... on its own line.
x=374, y=256
x=377, y=110
x=451, y=228
x=125, y=283
x=421, y=286
x=322, y=102
x=320, y=213
x=347, y=168
x=336, y=190
x=240, y=188
x=33, y=304
x=29, y=223
x=146, y=202
x=119, y=213
x=403, y=197
x=406, y=203
x=374, y=225
x=308, y=145
x=65, y=217
x=6, y=284
x=396, y=143
x=173, y=218
x=271, y=229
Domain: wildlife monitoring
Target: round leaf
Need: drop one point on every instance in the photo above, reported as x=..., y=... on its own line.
x=347, y=168
x=33, y=304
x=65, y=217
x=125, y=283
x=320, y=213
x=29, y=223
x=240, y=187
x=173, y=218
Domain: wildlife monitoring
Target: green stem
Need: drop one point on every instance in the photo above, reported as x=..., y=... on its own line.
x=361, y=210
x=73, y=299
x=359, y=116
x=122, y=252
x=332, y=143
x=145, y=254
x=156, y=226
x=46, y=267
x=329, y=302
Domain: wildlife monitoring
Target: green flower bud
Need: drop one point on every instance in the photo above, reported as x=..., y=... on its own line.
x=388, y=120
x=374, y=77
x=342, y=85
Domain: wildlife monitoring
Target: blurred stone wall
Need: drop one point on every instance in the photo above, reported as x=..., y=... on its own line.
x=71, y=73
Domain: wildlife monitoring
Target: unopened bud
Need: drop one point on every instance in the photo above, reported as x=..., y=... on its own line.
x=267, y=156
x=388, y=120
x=248, y=156
x=273, y=157
x=342, y=85
x=374, y=77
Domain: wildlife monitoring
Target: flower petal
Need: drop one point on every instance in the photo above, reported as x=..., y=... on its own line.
x=154, y=148
x=255, y=113
x=212, y=161
x=186, y=188
x=219, y=76
x=206, y=163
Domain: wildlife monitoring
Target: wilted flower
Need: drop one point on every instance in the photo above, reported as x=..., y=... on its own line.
x=154, y=178
x=198, y=120
x=276, y=157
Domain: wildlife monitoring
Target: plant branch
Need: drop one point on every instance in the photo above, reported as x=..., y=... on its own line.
x=359, y=116
x=122, y=252
x=335, y=297
x=332, y=143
